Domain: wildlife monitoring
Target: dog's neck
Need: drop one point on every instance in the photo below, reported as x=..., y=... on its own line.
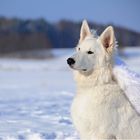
x=99, y=76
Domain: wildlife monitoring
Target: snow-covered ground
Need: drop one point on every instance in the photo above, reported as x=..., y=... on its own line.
x=35, y=96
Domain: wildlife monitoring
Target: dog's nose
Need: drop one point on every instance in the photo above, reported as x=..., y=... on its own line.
x=70, y=61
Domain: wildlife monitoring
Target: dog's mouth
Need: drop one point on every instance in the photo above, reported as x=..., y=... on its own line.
x=84, y=69
x=78, y=69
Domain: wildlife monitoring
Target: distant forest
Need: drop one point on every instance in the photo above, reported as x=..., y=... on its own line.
x=19, y=35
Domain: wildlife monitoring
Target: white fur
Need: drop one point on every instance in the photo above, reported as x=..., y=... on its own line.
x=100, y=109
x=130, y=83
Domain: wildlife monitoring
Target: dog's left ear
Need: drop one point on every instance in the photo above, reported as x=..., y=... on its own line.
x=108, y=39
x=85, y=31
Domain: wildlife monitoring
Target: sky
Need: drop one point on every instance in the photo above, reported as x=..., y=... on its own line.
x=124, y=13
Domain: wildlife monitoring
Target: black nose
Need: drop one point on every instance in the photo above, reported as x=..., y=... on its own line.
x=70, y=61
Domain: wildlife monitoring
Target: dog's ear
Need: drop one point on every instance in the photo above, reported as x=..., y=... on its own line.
x=85, y=31
x=108, y=39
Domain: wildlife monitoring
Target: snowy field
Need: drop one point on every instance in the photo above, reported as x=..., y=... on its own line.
x=35, y=96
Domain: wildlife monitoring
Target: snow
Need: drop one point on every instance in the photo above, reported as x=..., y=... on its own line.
x=35, y=96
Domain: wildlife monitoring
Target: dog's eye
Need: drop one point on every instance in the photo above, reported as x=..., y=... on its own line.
x=90, y=52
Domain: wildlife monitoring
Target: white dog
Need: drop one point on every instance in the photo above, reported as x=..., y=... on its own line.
x=103, y=107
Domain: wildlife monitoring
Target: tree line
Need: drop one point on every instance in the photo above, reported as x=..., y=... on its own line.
x=19, y=35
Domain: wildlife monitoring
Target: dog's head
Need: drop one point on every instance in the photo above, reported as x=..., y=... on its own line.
x=92, y=51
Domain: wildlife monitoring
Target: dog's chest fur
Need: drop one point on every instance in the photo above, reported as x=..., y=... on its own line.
x=103, y=112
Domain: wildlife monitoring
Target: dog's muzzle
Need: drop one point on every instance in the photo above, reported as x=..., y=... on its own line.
x=70, y=61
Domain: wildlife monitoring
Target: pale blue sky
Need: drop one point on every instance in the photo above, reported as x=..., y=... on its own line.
x=120, y=12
